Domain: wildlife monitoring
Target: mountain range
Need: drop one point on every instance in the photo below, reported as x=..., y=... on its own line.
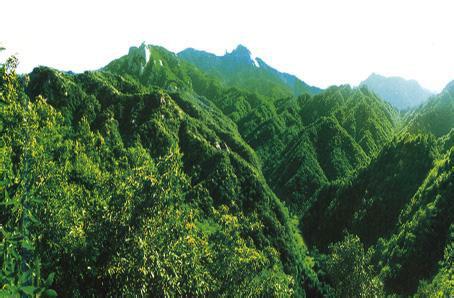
x=191, y=174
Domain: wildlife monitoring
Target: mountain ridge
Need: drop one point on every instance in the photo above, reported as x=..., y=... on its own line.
x=240, y=60
x=401, y=93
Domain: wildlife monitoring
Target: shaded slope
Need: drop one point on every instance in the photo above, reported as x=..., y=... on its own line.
x=369, y=204
x=425, y=229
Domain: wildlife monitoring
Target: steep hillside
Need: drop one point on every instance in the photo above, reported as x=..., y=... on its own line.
x=402, y=94
x=320, y=153
x=156, y=66
x=446, y=142
x=305, y=142
x=424, y=235
x=369, y=204
x=239, y=69
x=370, y=121
x=367, y=119
x=436, y=116
x=400, y=206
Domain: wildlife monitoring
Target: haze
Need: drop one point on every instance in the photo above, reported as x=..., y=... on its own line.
x=322, y=42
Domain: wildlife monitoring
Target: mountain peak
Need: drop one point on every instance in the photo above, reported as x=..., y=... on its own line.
x=143, y=51
x=242, y=51
x=242, y=55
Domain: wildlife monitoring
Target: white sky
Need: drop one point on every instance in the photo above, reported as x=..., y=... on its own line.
x=323, y=42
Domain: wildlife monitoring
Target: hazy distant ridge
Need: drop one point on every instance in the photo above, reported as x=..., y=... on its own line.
x=401, y=93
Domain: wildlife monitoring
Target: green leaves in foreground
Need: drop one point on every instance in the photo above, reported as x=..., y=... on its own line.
x=19, y=127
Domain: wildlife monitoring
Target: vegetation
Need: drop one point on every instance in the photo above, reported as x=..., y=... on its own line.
x=436, y=116
x=175, y=175
x=23, y=169
x=349, y=268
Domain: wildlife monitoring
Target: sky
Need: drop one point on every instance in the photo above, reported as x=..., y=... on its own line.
x=323, y=42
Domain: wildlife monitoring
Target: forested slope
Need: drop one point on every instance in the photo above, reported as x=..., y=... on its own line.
x=400, y=206
x=436, y=116
x=146, y=191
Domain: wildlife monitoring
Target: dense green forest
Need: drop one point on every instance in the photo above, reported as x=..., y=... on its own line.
x=191, y=174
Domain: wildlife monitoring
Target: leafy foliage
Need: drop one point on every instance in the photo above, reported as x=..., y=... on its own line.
x=423, y=232
x=23, y=168
x=349, y=268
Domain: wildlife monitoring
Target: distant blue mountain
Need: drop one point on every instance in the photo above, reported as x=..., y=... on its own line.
x=402, y=94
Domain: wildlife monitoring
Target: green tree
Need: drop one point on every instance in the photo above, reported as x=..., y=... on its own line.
x=349, y=270
x=20, y=265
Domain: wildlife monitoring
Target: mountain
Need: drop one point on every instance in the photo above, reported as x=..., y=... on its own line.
x=321, y=152
x=153, y=65
x=369, y=204
x=401, y=208
x=424, y=236
x=402, y=94
x=436, y=116
x=305, y=142
x=144, y=190
x=239, y=69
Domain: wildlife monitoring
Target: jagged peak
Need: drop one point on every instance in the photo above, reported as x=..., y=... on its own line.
x=241, y=50
x=243, y=54
x=144, y=51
